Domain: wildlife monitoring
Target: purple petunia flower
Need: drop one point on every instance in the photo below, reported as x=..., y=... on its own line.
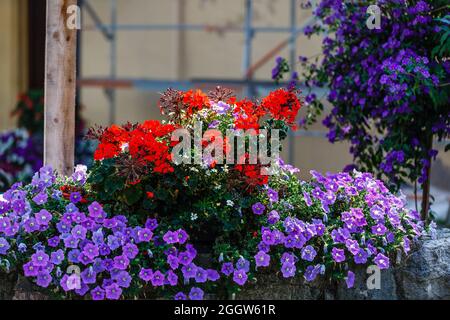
x=75, y=197
x=4, y=246
x=170, y=237
x=338, y=254
x=240, y=277
x=43, y=279
x=121, y=262
x=350, y=279
x=146, y=274
x=243, y=264
x=180, y=296
x=113, y=291
x=157, y=279
x=227, y=268
x=98, y=293
x=185, y=258
x=361, y=257
x=379, y=229
x=122, y=278
x=196, y=294
x=71, y=242
x=151, y=224
x=213, y=275
x=79, y=232
x=382, y=261
x=54, y=241
x=41, y=198
x=262, y=259
x=288, y=269
x=308, y=253
x=91, y=250
x=273, y=217
x=57, y=257
x=145, y=235
x=171, y=278
x=258, y=208
x=189, y=271
x=30, y=270
x=312, y=272
x=40, y=259
x=182, y=236
x=130, y=250
x=201, y=275
x=273, y=195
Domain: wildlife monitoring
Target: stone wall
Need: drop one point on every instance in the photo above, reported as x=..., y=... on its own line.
x=424, y=274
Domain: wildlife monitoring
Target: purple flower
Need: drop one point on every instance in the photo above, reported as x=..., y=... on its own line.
x=273, y=217
x=201, y=275
x=145, y=235
x=311, y=272
x=360, y=257
x=338, y=254
x=75, y=197
x=79, y=232
x=31, y=225
x=227, y=268
x=350, y=279
x=180, y=296
x=113, y=291
x=121, y=262
x=130, y=250
x=196, y=294
x=89, y=276
x=243, y=264
x=54, y=241
x=273, y=195
x=182, y=236
x=96, y=210
x=308, y=253
x=41, y=198
x=213, y=275
x=30, y=270
x=288, y=269
x=40, y=259
x=98, y=293
x=91, y=250
x=123, y=279
x=185, y=258
x=157, y=279
x=262, y=259
x=170, y=237
x=151, y=224
x=379, y=229
x=352, y=246
x=146, y=274
x=43, y=279
x=258, y=208
x=240, y=277
x=171, y=278
x=71, y=242
x=57, y=257
x=382, y=261
x=4, y=246
x=189, y=271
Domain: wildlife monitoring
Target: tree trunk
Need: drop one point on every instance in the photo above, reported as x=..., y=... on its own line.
x=60, y=85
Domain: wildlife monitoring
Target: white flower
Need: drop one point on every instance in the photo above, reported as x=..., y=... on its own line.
x=230, y=203
x=194, y=216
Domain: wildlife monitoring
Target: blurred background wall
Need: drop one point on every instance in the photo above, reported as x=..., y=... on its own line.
x=169, y=54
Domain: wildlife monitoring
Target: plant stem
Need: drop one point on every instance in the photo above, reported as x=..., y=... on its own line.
x=427, y=184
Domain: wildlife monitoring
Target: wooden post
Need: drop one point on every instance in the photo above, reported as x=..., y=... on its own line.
x=60, y=85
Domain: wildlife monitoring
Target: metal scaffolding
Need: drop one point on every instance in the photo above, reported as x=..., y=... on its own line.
x=250, y=86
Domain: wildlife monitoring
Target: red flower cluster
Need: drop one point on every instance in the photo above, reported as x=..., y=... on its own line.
x=149, y=142
x=195, y=101
x=283, y=105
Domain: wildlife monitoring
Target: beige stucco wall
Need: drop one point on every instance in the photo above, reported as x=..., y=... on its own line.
x=12, y=57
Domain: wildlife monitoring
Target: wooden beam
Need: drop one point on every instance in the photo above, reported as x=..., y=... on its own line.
x=60, y=85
